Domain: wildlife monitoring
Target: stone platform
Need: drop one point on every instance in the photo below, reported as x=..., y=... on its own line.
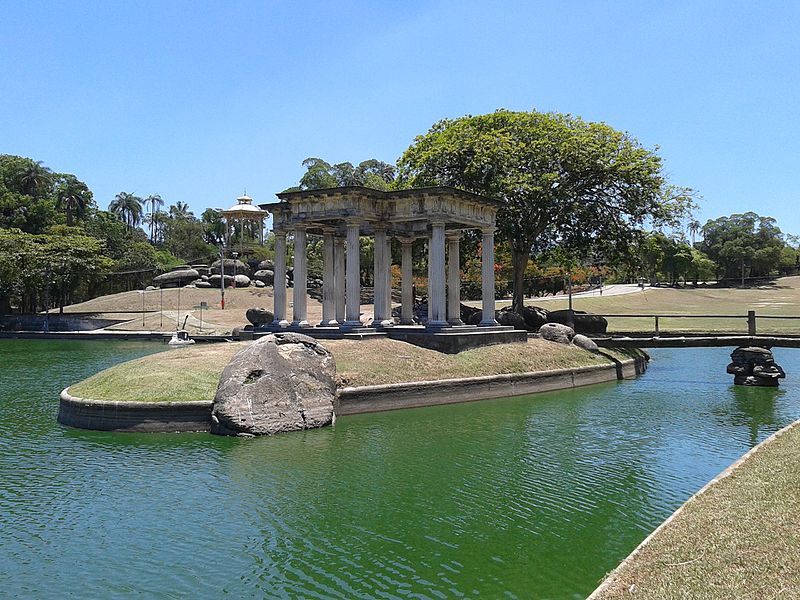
x=449, y=340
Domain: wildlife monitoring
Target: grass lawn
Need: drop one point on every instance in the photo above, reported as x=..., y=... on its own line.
x=781, y=299
x=192, y=373
x=739, y=539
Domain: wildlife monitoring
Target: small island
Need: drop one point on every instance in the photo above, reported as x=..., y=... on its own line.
x=368, y=371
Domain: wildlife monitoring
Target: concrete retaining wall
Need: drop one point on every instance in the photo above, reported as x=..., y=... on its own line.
x=109, y=415
x=375, y=398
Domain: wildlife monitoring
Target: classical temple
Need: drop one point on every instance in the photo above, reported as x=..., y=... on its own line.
x=342, y=215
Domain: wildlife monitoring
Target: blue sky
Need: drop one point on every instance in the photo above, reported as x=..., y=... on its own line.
x=196, y=100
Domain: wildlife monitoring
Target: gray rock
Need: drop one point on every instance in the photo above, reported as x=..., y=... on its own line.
x=267, y=265
x=581, y=341
x=214, y=280
x=230, y=264
x=150, y=288
x=584, y=322
x=264, y=275
x=203, y=284
x=242, y=281
x=204, y=277
x=534, y=317
x=509, y=317
x=176, y=278
x=259, y=316
x=259, y=284
x=282, y=382
x=754, y=366
x=556, y=332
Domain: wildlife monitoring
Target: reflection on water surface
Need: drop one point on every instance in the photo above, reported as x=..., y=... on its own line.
x=517, y=498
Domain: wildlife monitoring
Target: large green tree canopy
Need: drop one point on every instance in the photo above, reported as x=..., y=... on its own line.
x=563, y=181
x=743, y=241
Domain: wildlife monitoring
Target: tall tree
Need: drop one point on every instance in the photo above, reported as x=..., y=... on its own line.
x=180, y=210
x=34, y=178
x=73, y=197
x=213, y=226
x=742, y=241
x=128, y=208
x=563, y=181
x=371, y=173
x=153, y=202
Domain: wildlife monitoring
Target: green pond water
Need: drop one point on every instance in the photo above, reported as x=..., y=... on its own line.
x=533, y=497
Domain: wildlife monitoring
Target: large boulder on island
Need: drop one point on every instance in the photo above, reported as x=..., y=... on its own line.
x=508, y=317
x=259, y=316
x=556, y=332
x=282, y=382
x=177, y=278
x=581, y=341
x=242, y=281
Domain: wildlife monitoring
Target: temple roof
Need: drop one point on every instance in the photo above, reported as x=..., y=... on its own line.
x=404, y=213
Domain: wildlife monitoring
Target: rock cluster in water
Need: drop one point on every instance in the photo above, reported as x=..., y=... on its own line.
x=754, y=366
x=282, y=382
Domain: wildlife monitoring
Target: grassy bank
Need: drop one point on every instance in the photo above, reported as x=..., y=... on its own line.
x=780, y=299
x=738, y=539
x=192, y=373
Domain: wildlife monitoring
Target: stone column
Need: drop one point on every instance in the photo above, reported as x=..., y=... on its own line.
x=338, y=279
x=353, y=289
x=407, y=292
x=436, y=283
x=388, y=274
x=453, y=280
x=300, y=279
x=379, y=278
x=487, y=277
x=279, y=281
x=328, y=282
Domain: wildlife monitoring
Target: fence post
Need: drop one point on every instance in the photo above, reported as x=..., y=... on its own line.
x=751, y=322
x=657, y=332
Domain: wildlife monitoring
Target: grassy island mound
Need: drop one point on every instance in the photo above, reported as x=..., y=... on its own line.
x=188, y=374
x=739, y=538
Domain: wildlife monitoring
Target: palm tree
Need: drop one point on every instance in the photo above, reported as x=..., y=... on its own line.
x=128, y=208
x=157, y=221
x=34, y=177
x=180, y=210
x=694, y=227
x=154, y=201
x=73, y=197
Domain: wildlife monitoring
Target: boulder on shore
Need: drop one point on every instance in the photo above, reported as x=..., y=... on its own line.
x=556, y=332
x=242, y=281
x=282, y=382
x=581, y=341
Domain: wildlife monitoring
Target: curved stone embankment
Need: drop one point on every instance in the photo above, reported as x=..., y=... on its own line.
x=612, y=580
x=108, y=415
x=111, y=415
x=393, y=396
